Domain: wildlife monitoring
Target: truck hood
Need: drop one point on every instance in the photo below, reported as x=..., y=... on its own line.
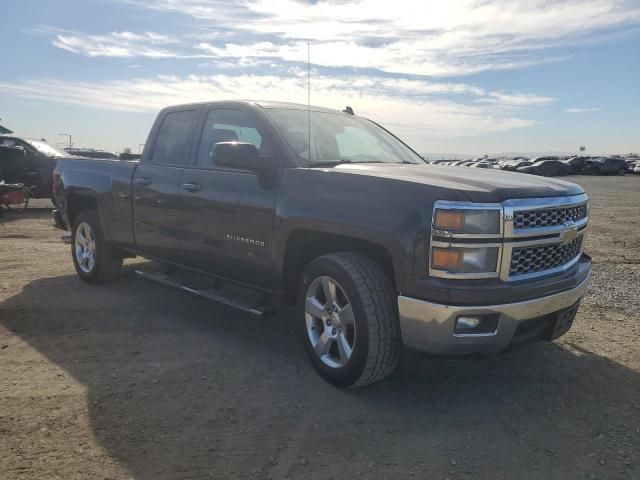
x=478, y=185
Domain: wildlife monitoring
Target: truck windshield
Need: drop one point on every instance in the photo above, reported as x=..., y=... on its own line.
x=46, y=149
x=337, y=138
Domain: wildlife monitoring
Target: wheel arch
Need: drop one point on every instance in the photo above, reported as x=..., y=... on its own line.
x=77, y=202
x=303, y=245
x=83, y=190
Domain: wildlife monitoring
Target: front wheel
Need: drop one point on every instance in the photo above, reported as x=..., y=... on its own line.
x=622, y=172
x=94, y=259
x=348, y=313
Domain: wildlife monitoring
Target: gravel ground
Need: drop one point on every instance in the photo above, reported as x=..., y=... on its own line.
x=136, y=380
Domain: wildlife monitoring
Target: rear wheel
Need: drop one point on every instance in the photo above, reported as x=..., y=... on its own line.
x=95, y=260
x=348, y=313
x=622, y=172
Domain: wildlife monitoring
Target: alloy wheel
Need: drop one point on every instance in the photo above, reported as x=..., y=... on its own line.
x=85, y=247
x=330, y=322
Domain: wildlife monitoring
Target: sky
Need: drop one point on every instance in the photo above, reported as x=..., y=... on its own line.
x=463, y=76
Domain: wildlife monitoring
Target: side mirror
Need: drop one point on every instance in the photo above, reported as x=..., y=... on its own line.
x=243, y=156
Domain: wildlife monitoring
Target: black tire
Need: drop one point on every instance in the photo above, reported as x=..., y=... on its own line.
x=377, y=345
x=108, y=262
x=622, y=172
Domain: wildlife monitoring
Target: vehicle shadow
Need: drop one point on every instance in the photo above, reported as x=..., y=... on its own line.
x=179, y=387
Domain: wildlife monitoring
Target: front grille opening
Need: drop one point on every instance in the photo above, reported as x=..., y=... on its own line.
x=548, y=217
x=544, y=257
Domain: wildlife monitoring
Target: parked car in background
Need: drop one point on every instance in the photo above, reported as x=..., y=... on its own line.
x=29, y=161
x=513, y=165
x=605, y=166
x=481, y=165
x=546, y=168
x=631, y=164
x=540, y=159
x=636, y=169
x=129, y=156
x=90, y=153
x=575, y=164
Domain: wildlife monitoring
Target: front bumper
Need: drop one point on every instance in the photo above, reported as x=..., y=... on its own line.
x=430, y=326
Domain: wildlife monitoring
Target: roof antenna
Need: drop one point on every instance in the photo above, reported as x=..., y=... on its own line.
x=309, y=96
x=348, y=110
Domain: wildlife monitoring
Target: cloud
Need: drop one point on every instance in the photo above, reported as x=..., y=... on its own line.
x=582, y=110
x=118, y=44
x=457, y=37
x=516, y=99
x=401, y=105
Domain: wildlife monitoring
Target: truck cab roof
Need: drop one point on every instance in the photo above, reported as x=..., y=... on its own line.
x=263, y=104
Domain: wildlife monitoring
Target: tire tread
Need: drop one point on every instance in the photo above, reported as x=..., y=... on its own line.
x=379, y=302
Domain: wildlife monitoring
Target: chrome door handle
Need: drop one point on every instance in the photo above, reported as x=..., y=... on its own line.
x=143, y=181
x=192, y=187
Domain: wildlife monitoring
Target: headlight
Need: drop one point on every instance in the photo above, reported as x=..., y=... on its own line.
x=466, y=240
x=459, y=260
x=467, y=221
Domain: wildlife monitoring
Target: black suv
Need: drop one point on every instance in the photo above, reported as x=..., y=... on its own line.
x=29, y=161
x=606, y=166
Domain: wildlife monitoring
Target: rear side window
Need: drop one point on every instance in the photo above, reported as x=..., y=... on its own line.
x=172, y=143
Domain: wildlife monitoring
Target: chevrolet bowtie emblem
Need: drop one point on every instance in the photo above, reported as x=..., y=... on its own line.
x=570, y=233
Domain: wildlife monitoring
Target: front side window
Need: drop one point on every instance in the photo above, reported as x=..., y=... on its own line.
x=225, y=125
x=172, y=143
x=337, y=138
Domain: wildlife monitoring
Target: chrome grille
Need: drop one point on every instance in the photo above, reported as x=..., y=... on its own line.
x=548, y=217
x=543, y=257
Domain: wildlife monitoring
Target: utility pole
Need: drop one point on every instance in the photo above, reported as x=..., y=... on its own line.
x=70, y=138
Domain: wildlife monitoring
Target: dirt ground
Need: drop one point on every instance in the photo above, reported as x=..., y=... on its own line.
x=137, y=380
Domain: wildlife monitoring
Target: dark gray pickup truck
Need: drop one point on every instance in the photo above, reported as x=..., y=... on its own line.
x=335, y=214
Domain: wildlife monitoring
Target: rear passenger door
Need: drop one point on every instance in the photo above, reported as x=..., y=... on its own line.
x=228, y=213
x=156, y=185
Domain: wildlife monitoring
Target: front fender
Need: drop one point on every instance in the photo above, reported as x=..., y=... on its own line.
x=381, y=239
x=393, y=214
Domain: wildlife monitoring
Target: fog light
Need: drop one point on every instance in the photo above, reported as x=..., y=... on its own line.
x=476, y=324
x=466, y=323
